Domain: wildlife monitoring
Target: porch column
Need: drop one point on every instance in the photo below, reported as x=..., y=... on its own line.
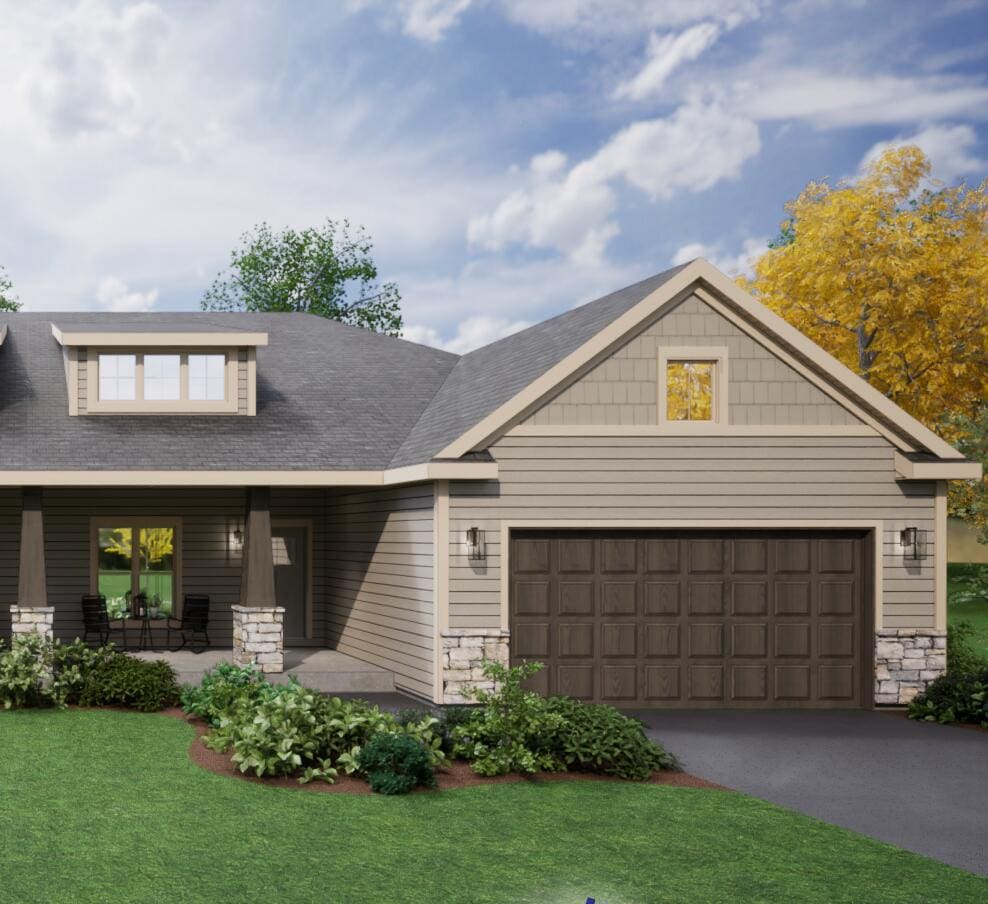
x=32, y=614
x=258, y=622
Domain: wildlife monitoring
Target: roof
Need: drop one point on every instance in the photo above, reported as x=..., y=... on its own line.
x=332, y=397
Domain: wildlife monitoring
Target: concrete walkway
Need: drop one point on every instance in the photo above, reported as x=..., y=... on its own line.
x=919, y=786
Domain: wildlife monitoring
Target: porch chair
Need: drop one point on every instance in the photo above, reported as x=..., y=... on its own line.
x=95, y=620
x=194, y=622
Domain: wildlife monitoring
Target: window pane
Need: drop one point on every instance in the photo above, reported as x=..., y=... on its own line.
x=117, y=378
x=689, y=390
x=207, y=378
x=157, y=575
x=115, y=568
x=161, y=377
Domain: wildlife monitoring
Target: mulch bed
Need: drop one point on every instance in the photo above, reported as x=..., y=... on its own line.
x=456, y=775
x=903, y=712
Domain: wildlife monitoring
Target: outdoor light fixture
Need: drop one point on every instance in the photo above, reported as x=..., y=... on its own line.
x=913, y=542
x=475, y=544
x=238, y=537
x=234, y=540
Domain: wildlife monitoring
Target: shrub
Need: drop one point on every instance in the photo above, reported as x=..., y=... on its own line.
x=121, y=680
x=954, y=698
x=27, y=674
x=598, y=738
x=441, y=725
x=962, y=657
x=395, y=764
x=222, y=689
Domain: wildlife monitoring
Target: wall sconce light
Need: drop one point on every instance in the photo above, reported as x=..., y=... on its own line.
x=476, y=548
x=238, y=538
x=234, y=541
x=913, y=543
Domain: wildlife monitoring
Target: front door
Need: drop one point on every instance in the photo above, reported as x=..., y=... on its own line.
x=290, y=551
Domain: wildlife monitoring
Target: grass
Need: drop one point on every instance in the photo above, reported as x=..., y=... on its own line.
x=973, y=611
x=106, y=806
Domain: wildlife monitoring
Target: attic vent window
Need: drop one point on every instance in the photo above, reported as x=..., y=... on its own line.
x=690, y=390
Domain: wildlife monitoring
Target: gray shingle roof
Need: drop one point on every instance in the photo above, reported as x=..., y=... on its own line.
x=329, y=396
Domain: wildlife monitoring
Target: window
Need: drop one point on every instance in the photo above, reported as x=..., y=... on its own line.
x=167, y=381
x=207, y=377
x=117, y=377
x=123, y=569
x=162, y=377
x=690, y=390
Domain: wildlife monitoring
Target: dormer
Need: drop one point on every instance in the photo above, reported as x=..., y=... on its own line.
x=159, y=370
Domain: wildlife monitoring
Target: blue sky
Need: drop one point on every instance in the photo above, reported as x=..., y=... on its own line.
x=510, y=158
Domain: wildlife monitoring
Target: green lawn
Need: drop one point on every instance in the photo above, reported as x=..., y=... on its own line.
x=975, y=611
x=106, y=806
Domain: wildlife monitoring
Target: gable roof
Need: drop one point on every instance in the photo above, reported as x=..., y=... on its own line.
x=334, y=398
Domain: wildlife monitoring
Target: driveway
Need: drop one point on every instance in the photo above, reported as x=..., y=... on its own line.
x=919, y=786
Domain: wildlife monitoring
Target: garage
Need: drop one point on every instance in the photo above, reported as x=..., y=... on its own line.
x=695, y=618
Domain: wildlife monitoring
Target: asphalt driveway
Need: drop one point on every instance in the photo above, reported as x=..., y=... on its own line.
x=919, y=786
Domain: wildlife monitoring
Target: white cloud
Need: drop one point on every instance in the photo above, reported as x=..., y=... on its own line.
x=113, y=294
x=572, y=212
x=733, y=264
x=474, y=332
x=832, y=100
x=949, y=147
x=429, y=20
x=666, y=53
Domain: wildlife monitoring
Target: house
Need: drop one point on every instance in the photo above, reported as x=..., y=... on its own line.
x=669, y=496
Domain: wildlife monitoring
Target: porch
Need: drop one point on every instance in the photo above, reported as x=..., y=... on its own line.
x=329, y=671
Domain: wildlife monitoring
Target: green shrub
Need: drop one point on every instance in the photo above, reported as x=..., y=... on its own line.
x=962, y=657
x=954, y=698
x=222, y=689
x=395, y=764
x=37, y=671
x=594, y=737
x=289, y=729
x=121, y=680
x=441, y=725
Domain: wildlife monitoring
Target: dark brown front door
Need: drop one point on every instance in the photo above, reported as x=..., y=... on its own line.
x=728, y=618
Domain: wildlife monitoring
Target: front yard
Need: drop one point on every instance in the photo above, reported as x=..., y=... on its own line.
x=107, y=806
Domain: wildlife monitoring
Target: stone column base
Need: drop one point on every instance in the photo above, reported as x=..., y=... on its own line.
x=464, y=650
x=906, y=661
x=32, y=619
x=259, y=637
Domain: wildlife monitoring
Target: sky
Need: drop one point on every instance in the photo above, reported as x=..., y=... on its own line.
x=511, y=159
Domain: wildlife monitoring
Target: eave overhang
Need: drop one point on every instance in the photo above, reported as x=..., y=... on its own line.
x=909, y=468
x=80, y=338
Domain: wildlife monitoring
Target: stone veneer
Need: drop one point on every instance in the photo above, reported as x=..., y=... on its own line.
x=32, y=619
x=906, y=660
x=464, y=650
x=259, y=637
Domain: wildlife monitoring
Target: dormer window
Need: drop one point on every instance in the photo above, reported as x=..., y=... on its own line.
x=160, y=371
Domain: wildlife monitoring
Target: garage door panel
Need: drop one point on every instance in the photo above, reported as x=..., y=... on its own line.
x=576, y=598
x=743, y=618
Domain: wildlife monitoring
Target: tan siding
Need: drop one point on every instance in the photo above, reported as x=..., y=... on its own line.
x=83, y=377
x=243, y=375
x=622, y=390
x=691, y=478
x=380, y=581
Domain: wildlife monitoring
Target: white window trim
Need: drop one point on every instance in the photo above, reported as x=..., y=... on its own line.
x=183, y=405
x=717, y=355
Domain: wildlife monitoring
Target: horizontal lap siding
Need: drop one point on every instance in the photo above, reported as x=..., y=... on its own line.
x=585, y=479
x=380, y=581
x=10, y=539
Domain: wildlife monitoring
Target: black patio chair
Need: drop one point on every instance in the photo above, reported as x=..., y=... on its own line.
x=96, y=620
x=193, y=623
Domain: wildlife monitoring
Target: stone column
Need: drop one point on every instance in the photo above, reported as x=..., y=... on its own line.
x=464, y=651
x=906, y=661
x=32, y=590
x=258, y=637
x=32, y=619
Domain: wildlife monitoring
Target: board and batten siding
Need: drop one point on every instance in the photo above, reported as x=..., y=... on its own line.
x=380, y=581
x=622, y=389
x=691, y=479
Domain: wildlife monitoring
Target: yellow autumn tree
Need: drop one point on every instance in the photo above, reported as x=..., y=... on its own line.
x=889, y=273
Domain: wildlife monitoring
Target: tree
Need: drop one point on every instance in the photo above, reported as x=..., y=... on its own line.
x=969, y=498
x=8, y=301
x=321, y=270
x=891, y=277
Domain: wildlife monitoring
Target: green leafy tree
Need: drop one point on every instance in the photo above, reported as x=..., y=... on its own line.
x=325, y=270
x=8, y=301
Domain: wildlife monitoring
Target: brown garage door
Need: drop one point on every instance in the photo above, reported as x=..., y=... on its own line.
x=694, y=618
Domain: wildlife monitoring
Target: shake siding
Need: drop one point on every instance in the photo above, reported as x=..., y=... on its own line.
x=380, y=590
x=585, y=479
x=622, y=390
